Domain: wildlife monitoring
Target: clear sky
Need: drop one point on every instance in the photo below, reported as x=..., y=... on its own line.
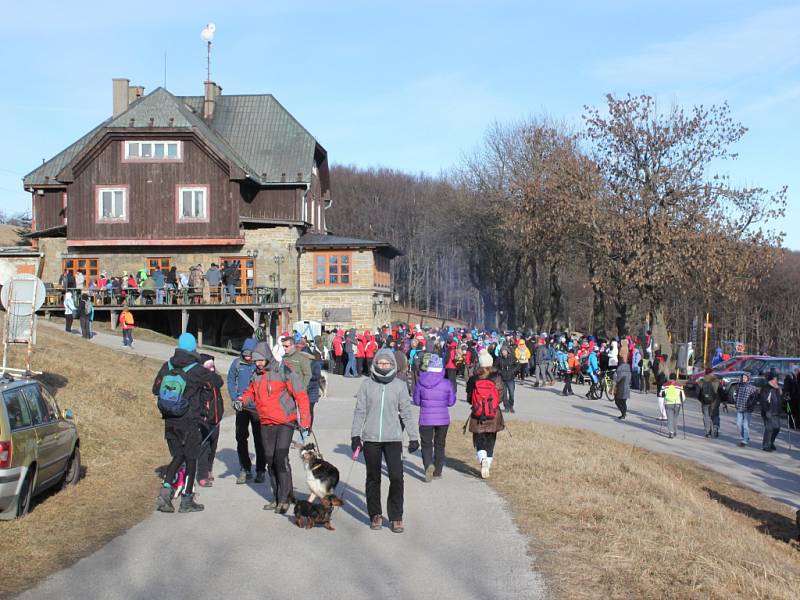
x=411, y=85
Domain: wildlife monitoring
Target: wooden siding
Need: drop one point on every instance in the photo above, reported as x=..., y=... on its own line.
x=48, y=209
x=279, y=203
x=151, y=210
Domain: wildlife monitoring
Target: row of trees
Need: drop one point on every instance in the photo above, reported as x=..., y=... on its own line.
x=547, y=228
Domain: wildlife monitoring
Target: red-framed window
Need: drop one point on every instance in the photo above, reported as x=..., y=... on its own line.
x=247, y=270
x=90, y=267
x=333, y=269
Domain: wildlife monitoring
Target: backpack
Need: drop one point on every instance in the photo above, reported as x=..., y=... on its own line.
x=171, y=399
x=211, y=409
x=485, y=400
x=707, y=393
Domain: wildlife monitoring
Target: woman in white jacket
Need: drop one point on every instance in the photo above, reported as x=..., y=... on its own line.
x=69, y=311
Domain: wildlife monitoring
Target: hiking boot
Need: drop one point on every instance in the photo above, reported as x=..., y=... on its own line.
x=205, y=483
x=397, y=527
x=512, y=410
x=189, y=505
x=164, y=500
x=244, y=476
x=271, y=505
x=484, y=469
x=261, y=477
x=670, y=435
x=283, y=508
x=429, y=473
x=716, y=434
x=377, y=523
x=742, y=444
x=437, y=474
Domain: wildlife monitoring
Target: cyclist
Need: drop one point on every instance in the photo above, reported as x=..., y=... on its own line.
x=593, y=368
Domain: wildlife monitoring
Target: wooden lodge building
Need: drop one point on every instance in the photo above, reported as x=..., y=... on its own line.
x=187, y=180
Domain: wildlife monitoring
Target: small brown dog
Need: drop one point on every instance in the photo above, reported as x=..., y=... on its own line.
x=306, y=515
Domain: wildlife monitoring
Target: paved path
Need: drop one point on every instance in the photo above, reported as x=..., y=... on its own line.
x=775, y=474
x=234, y=549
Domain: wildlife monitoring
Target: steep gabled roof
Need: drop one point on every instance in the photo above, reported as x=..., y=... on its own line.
x=255, y=133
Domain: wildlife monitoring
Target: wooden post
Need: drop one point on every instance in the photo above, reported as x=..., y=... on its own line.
x=184, y=319
x=707, y=327
x=256, y=319
x=200, y=329
x=114, y=319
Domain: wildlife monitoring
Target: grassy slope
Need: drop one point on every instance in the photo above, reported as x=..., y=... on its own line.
x=609, y=520
x=121, y=445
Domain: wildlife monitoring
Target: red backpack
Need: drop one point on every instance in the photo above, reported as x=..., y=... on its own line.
x=485, y=400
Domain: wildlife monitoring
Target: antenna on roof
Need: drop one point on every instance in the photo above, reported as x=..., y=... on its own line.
x=207, y=35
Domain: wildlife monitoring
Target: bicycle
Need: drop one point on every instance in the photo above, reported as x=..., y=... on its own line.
x=595, y=387
x=606, y=385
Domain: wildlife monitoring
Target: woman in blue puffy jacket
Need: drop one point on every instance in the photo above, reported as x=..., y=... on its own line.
x=434, y=395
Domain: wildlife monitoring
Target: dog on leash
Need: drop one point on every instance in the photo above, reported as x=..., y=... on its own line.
x=307, y=515
x=321, y=476
x=323, y=385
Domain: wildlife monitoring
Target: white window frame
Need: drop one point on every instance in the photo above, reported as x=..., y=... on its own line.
x=101, y=189
x=179, y=203
x=137, y=157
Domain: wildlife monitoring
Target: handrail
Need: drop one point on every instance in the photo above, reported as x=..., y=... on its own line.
x=189, y=296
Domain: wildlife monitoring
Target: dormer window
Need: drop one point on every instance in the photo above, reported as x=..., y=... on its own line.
x=147, y=150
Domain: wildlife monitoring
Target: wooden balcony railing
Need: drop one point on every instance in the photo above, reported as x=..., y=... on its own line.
x=166, y=297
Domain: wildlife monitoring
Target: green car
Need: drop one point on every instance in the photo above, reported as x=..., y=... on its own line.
x=39, y=445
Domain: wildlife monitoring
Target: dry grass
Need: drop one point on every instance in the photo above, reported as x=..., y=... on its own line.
x=121, y=445
x=608, y=520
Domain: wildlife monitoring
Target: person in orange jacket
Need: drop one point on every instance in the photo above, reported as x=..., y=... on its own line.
x=280, y=399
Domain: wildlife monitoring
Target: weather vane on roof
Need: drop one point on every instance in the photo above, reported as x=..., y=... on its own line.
x=207, y=35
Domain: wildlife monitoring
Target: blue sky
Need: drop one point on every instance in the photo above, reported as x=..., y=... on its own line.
x=409, y=85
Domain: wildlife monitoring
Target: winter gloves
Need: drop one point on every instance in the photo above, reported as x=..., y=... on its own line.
x=413, y=446
x=237, y=405
x=355, y=443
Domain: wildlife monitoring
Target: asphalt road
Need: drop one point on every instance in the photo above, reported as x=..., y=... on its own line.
x=234, y=549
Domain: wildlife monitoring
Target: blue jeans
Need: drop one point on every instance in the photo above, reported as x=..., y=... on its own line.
x=231, y=288
x=743, y=425
x=351, y=365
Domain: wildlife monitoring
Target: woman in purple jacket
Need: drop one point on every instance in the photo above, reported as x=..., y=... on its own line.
x=434, y=395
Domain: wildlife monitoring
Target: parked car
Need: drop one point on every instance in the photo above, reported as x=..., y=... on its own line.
x=732, y=364
x=39, y=445
x=758, y=367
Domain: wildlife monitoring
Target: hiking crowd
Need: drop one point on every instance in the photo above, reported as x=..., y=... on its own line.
x=274, y=390
x=157, y=286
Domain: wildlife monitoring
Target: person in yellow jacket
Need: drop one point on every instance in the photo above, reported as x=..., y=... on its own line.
x=673, y=395
x=523, y=356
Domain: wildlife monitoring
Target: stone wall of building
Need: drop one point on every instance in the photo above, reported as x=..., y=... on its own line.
x=369, y=307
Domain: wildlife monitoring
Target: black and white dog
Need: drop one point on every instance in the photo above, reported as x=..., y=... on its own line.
x=321, y=476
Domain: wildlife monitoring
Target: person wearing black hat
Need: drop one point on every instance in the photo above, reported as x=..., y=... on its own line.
x=770, y=399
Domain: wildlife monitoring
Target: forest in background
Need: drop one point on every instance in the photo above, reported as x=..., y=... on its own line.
x=596, y=230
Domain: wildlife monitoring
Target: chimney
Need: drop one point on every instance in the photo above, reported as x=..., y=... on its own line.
x=124, y=93
x=212, y=93
x=120, y=91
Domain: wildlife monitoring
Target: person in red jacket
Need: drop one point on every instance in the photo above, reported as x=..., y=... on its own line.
x=370, y=348
x=338, y=353
x=360, y=347
x=450, y=362
x=281, y=401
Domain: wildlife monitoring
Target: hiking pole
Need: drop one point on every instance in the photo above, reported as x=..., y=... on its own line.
x=683, y=416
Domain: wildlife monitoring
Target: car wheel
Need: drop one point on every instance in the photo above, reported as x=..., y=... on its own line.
x=73, y=473
x=25, y=494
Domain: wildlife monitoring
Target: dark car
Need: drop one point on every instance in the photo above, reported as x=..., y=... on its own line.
x=732, y=364
x=758, y=368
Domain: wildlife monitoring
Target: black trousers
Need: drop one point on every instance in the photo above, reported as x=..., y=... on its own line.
x=622, y=405
x=360, y=365
x=432, y=440
x=205, y=461
x=183, y=440
x=484, y=441
x=374, y=454
x=68, y=322
x=245, y=419
x=451, y=375
x=567, y=384
x=277, y=439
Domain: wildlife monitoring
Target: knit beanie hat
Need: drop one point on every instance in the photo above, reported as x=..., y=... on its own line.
x=187, y=342
x=435, y=364
x=485, y=359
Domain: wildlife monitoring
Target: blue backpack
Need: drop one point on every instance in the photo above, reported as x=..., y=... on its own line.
x=171, y=399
